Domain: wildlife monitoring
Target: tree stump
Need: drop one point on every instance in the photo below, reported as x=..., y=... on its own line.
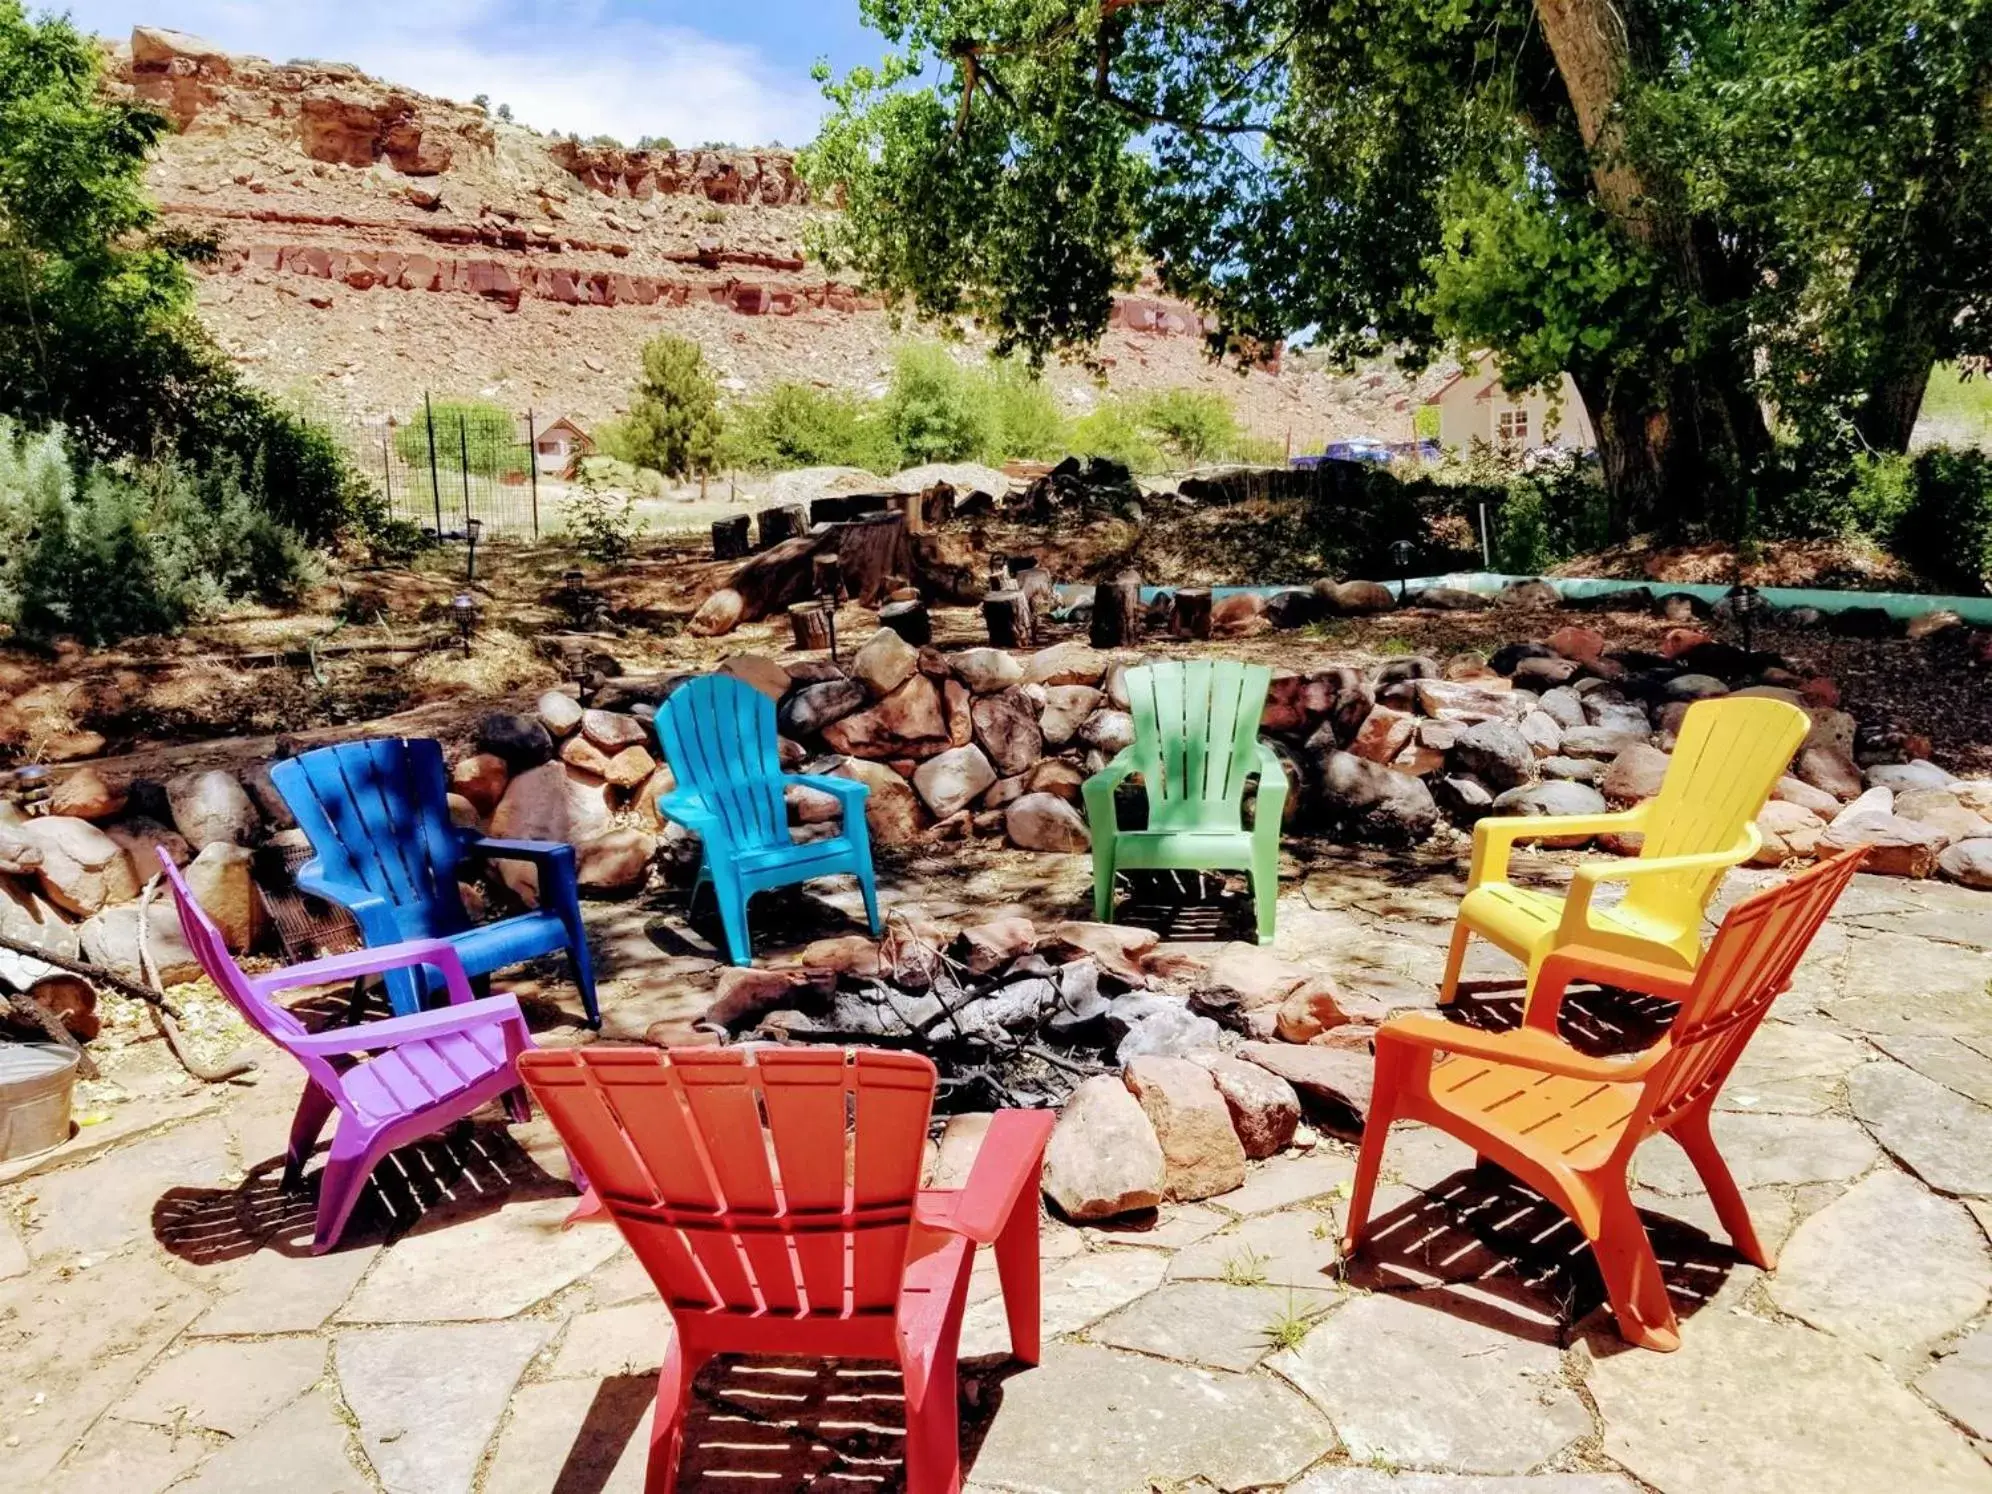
x=909, y=620
x=783, y=522
x=732, y=538
x=1008, y=616
x=1035, y=584
x=826, y=576
x=811, y=624
x=1192, y=612
x=1117, y=614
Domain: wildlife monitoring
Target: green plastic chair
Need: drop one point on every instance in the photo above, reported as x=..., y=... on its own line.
x=1196, y=741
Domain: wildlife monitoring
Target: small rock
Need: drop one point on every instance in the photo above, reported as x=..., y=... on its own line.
x=1103, y=1158
x=1045, y=822
x=1636, y=775
x=1465, y=800
x=630, y=767
x=1383, y=735
x=1108, y=732
x=1564, y=707
x=85, y=795
x=886, y=662
x=908, y=722
x=1066, y=708
x=1693, y=687
x=1912, y=775
x=1310, y=1011
x=951, y=781
x=1065, y=664
x=763, y=673
x=559, y=713
x=1791, y=833
x=1165, y=1027
x=1556, y=797
x=1541, y=731
x=893, y=813
x=1585, y=645
x=220, y=880
x=992, y=945
x=1006, y=728
x=1373, y=803
x=1601, y=742
x=1797, y=791
x=81, y=869
x=1495, y=753
x=612, y=731
x=1829, y=769
x=1968, y=862
x=110, y=938
x=1589, y=770
x=987, y=670
x=1359, y=598
x=1115, y=948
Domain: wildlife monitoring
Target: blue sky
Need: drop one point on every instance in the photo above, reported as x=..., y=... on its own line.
x=735, y=70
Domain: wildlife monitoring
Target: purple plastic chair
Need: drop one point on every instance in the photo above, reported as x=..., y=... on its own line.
x=393, y=1081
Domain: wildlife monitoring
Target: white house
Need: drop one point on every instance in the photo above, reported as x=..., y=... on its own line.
x=558, y=446
x=1474, y=407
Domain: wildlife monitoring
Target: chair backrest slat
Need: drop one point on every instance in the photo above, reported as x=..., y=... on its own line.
x=1729, y=756
x=1747, y=965
x=377, y=815
x=718, y=734
x=758, y=1180
x=1196, y=728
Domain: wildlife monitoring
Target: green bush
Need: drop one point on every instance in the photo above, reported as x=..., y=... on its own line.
x=1549, y=514
x=933, y=411
x=108, y=551
x=1946, y=530
x=601, y=523
x=799, y=425
x=1193, y=425
x=1114, y=429
x=1028, y=425
x=674, y=425
x=485, y=433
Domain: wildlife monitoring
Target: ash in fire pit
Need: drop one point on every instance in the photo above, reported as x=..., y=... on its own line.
x=1010, y=1020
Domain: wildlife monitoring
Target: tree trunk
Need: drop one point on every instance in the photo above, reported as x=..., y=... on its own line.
x=1193, y=612
x=1008, y=615
x=1887, y=416
x=785, y=521
x=1117, y=611
x=909, y=620
x=731, y=538
x=810, y=622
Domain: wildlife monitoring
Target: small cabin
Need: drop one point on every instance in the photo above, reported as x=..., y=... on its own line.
x=557, y=447
x=1474, y=407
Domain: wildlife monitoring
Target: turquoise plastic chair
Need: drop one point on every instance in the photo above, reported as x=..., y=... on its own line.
x=1196, y=741
x=718, y=735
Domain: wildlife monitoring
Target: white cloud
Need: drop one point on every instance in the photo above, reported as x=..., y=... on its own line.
x=564, y=67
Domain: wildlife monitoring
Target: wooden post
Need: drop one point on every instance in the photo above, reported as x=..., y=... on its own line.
x=810, y=622
x=1008, y=616
x=826, y=576
x=731, y=538
x=1117, y=615
x=909, y=620
x=784, y=521
x=914, y=507
x=1192, y=612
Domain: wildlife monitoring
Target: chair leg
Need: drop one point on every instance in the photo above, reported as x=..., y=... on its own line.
x=341, y=1184
x=733, y=918
x=1391, y=1074
x=1455, y=961
x=1633, y=1281
x=933, y=1412
x=518, y=1105
x=1017, y=1267
x=1265, y=901
x=314, y=1108
x=667, y=1423
x=1103, y=883
x=1695, y=1138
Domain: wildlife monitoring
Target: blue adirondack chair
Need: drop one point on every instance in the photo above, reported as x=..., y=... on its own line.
x=718, y=735
x=377, y=815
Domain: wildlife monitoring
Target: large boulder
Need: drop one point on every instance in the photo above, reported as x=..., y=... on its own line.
x=909, y=722
x=1554, y=797
x=86, y=794
x=1495, y=753
x=1333, y=1082
x=1006, y=727
x=886, y=662
x=210, y=807
x=1370, y=802
x=1045, y=822
x=987, y=670
x=520, y=742
x=82, y=869
x=1829, y=769
x=1968, y=862
x=112, y=937
x=481, y=778
x=1103, y=1159
x=952, y=781
x=1108, y=732
x=1919, y=774
x=616, y=861
x=813, y=708
x=892, y=810
x=1358, y=598
x=546, y=803
x=1065, y=664
x=1791, y=832
x=27, y=918
x=1201, y=1153
x=220, y=880
x=1636, y=775
x=1265, y=1111
x=1896, y=847
x=1066, y=708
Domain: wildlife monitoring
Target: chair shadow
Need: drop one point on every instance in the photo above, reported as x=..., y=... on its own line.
x=1187, y=906
x=466, y=1171
x=1488, y=1247
x=828, y=1424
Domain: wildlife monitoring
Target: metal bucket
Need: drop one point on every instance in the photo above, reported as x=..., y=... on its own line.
x=36, y=1082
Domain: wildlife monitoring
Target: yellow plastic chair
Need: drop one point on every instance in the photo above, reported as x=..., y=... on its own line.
x=1728, y=759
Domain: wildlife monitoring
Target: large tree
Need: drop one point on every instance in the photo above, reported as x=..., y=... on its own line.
x=1701, y=210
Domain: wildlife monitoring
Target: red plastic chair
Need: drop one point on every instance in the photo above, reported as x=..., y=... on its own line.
x=774, y=1197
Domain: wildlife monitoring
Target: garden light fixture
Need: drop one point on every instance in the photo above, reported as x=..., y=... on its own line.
x=463, y=610
x=1402, y=552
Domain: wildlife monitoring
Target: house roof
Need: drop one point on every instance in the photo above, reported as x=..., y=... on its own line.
x=570, y=423
x=1454, y=382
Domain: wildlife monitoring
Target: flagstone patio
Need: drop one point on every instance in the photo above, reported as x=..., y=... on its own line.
x=162, y=1324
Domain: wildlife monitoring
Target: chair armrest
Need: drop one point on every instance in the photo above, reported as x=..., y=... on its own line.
x=1005, y=1171
x=1494, y=839
x=1269, y=805
x=547, y=852
x=391, y=1032
x=337, y=969
x=689, y=810
x=1526, y=1047
x=1575, y=962
x=1098, y=792
x=848, y=792
x=372, y=912
x=1585, y=879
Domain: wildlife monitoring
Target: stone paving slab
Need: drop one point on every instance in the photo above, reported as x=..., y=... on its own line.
x=1097, y=1421
x=490, y=1265
x=306, y=1446
x=1211, y=1324
x=1937, y=1133
x=230, y=1389
x=1407, y=1382
x=1381, y=1481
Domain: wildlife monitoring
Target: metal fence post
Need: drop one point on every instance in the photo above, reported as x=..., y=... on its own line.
x=463, y=455
x=532, y=466
x=435, y=481
x=387, y=469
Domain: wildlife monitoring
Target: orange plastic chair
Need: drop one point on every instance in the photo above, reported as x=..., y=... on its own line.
x=1567, y=1124
x=1703, y=822
x=774, y=1197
